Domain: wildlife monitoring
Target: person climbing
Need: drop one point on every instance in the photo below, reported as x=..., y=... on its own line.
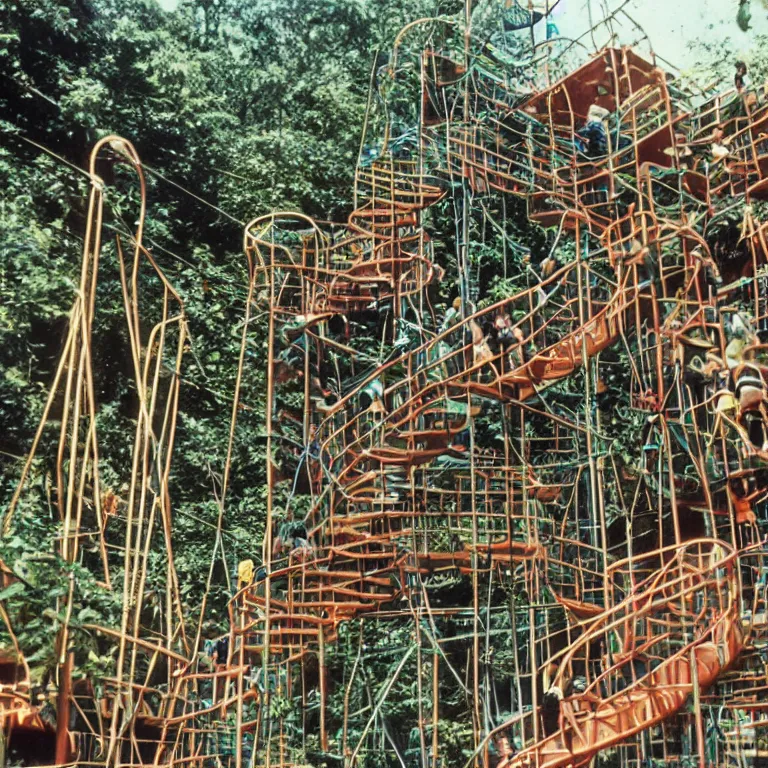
x=548, y=266
x=750, y=387
x=741, y=500
x=445, y=347
x=244, y=574
x=593, y=141
x=741, y=335
x=517, y=353
x=503, y=326
x=301, y=549
x=741, y=79
x=593, y=137
x=719, y=148
x=550, y=709
x=291, y=535
x=313, y=444
x=481, y=352
x=452, y=315
x=499, y=748
x=220, y=654
x=551, y=698
x=742, y=82
x=220, y=659
x=505, y=336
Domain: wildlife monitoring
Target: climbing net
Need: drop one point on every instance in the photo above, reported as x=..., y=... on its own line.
x=545, y=468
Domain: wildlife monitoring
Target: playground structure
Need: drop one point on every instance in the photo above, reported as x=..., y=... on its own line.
x=461, y=463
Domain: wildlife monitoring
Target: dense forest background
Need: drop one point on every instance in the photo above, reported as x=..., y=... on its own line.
x=237, y=108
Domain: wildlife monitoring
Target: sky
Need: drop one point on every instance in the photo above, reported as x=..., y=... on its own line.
x=670, y=24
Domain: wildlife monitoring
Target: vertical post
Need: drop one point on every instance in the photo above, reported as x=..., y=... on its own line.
x=435, y=704
x=697, y=711
x=63, y=705
x=419, y=673
x=267, y=549
x=475, y=586
x=534, y=670
x=240, y=692
x=323, y=692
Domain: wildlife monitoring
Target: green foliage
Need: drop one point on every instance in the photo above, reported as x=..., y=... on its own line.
x=252, y=106
x=36, y=602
